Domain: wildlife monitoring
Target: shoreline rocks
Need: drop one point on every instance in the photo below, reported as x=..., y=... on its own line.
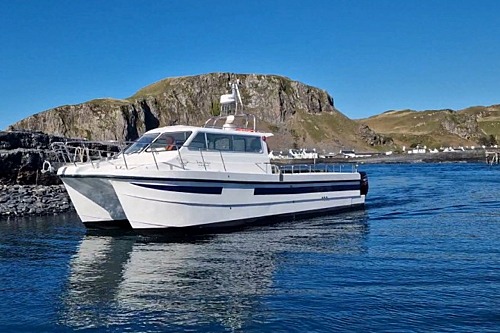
x=22, y=155
x=23, y=200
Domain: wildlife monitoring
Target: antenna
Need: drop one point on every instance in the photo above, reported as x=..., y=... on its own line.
x=229, y=102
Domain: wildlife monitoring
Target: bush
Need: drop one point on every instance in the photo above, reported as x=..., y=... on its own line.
x=487, y=140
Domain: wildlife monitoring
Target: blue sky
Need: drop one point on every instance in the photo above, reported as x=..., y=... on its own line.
x=370, y=55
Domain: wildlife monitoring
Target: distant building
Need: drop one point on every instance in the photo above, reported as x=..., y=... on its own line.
x=418, y=150
x=348, y=153
x=303, y=153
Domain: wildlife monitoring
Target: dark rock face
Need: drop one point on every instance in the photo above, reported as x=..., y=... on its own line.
x=24, y=189
x=374, y=139
x=25, y=140
x=22, y=155
x=463, y=126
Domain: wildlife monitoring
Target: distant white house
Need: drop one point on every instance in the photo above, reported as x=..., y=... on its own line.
x=303, y=153
x=418, y=150
x=277, y=155
x=309, y=153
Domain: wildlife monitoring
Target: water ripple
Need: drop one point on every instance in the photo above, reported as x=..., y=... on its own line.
x=423, y=256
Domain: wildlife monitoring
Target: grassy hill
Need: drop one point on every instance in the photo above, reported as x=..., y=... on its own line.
x=436, y=128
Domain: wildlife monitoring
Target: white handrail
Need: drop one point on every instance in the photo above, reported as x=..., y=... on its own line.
x=69, y=152
x=203, y=160
x=222, y=159
x=180, y=158
x=153, y=151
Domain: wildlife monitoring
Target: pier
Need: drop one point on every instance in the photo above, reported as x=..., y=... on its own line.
x=492, y=156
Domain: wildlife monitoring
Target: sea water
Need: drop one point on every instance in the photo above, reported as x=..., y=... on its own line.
x=424, y=255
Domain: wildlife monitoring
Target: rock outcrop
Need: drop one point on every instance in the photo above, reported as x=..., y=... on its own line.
x=373, y=138
x=464, y=126
x=280, y=104
x=22, y=155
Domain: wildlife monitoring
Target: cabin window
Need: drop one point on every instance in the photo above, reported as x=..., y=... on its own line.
x=254, y=145
x=226, y=142
x=142, y=143
x=169, y=141
x=219, y=141
x=239, y=143
x=198, y=142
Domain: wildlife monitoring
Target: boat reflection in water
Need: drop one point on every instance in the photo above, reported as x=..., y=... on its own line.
x=212, y=281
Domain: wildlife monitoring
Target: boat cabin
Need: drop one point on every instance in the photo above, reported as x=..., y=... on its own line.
x=210, y=149
x=170, y=138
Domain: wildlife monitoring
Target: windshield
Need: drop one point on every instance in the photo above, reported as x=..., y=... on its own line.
x=169, y=141
x=142, y=143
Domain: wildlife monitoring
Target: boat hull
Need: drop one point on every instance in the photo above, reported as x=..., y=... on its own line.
x=95, y=202
x=201, y=203
x=227, y=226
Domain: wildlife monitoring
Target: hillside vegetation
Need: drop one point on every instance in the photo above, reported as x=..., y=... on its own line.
x=439, y=128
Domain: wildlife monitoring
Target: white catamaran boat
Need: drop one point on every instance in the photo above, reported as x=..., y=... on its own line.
x=211, y=176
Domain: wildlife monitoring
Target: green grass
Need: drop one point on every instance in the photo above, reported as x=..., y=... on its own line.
x=215, y=110
x=153, y=89
x=490, y=127
x=107, y=102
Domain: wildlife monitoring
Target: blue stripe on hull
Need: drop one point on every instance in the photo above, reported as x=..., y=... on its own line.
x=268, y=190
x=185, y=189
x=305, y=189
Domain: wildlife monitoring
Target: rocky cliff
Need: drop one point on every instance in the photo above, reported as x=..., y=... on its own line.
x=298, y=114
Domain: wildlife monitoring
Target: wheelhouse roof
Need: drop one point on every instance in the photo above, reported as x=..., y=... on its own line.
x=184, y=128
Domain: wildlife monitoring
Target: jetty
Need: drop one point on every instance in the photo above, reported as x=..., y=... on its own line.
x=492, y=156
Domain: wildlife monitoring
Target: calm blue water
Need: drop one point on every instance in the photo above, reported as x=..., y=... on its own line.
x=423, y=256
